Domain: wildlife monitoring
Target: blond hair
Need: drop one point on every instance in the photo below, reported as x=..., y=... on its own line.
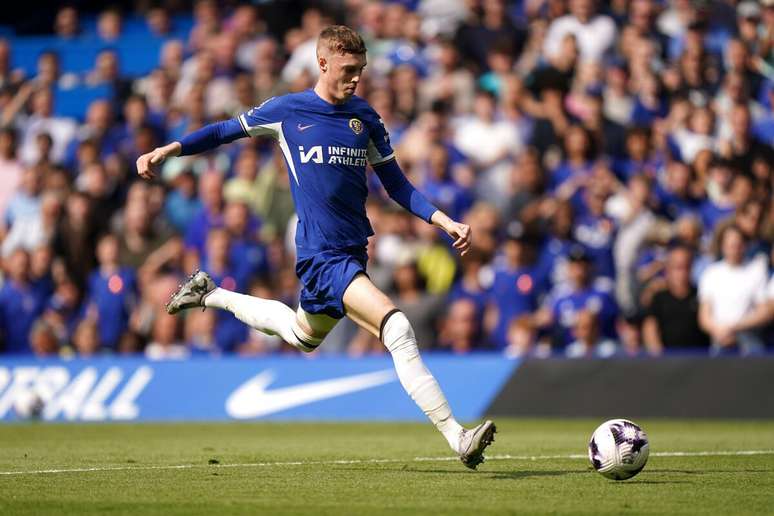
x=340, y=39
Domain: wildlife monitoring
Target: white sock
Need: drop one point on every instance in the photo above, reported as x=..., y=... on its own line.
x=398, y=336
x=265, y=315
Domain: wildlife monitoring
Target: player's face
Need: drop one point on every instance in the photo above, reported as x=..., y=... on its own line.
x=342, y=74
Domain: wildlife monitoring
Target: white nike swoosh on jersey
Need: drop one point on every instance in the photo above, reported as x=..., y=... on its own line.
x=305, y=127
x=252, y=399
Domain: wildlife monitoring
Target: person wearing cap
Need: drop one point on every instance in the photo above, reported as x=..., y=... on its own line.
x=581, y=295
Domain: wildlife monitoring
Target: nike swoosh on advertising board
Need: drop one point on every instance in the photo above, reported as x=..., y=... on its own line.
x=253, y=399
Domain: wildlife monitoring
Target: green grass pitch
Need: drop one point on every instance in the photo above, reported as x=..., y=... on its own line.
x=373, y=468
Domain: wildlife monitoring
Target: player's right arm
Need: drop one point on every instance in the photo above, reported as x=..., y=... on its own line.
x=265, y=119
x=201, y=140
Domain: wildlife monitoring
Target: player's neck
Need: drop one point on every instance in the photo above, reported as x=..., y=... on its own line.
x=324, y=94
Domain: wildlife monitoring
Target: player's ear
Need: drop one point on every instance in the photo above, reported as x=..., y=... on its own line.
x=323, y=63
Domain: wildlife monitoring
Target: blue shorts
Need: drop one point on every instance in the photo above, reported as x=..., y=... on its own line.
x=326, y=275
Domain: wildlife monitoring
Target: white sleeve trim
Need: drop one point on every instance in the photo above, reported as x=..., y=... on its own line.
x=259, y=130
x=374, y=157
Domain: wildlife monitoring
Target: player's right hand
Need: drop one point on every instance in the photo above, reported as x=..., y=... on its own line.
x=147, y=163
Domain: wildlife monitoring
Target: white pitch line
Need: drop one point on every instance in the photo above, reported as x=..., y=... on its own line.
x=719, y=453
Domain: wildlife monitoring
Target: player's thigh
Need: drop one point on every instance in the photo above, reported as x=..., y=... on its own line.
x=366, y=304
x=315, y=325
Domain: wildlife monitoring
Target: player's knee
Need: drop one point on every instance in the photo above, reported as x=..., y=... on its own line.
x=396, y=333
x=304, y=340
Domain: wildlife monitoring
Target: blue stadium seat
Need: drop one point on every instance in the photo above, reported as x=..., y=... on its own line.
x=138, y=55
x=26, y=50
x=74, y=102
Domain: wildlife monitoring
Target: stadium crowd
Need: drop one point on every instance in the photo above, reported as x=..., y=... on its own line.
x=613, y=159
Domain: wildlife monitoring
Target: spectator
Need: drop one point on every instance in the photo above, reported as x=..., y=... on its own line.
x=545, y=143
x=76, y=237
x=165, y=343
x=86, y=341
x=459, y=330
x=112, y=293
x=730, y=292
x=219, y=261
x=11, y=170
x=514, y=289
x=209, y=217
x=487, y=143
x=63, y=310
x=66, y=23
x=43, y=340
x=595, y=33
x=582, y=295
x=522, y=336
x=469, y=285
x=485, y=29
x=20, y=305
x=412, y=299
x=448, y=82
x=588, y=340
x=43, y=120
x=34, y=230
x=181, y=204
x=672, y=317
x=26, y=201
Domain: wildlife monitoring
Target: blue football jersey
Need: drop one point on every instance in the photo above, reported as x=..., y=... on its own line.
x=326, y=148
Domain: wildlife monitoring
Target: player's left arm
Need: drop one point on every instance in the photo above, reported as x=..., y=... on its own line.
x=403, y=192
x=382, y=159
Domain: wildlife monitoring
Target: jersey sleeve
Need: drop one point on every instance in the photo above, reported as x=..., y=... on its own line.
x=266, y=119
x=379, y=148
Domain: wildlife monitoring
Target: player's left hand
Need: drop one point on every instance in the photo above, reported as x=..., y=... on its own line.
x=462, y=236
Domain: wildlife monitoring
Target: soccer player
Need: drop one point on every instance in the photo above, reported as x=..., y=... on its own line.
x=328, y=136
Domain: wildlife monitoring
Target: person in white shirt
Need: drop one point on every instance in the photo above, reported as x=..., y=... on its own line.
x=11, y=169
x=490, y=144
x=732, y=296
x=595, y=33
x=42, y=120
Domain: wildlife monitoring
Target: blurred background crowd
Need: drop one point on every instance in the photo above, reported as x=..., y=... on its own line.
x=614, y=160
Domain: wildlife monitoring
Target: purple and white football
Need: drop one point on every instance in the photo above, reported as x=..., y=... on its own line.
x=618, y=449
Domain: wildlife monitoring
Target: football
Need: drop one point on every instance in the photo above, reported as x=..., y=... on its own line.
x=618, y=449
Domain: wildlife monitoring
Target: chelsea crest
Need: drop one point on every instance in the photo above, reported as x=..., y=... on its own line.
x=356, y=125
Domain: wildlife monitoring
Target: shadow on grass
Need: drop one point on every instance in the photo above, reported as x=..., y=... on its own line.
x=498, y=475
x=524, y=474
x=520, y=474
x=648, y=482
x=709, y=471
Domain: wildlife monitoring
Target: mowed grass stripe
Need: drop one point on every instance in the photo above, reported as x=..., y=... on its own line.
x=501, y=457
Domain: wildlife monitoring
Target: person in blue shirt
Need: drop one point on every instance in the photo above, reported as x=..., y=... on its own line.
x=227, y=273
x=597, y=231
x=581, y=295
x=514, y=290
x=21, y=303
x=551, y=266
x=673, y=194
x=328, y=136
x=112, y=293
x=247, y=255
x=469, y=285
